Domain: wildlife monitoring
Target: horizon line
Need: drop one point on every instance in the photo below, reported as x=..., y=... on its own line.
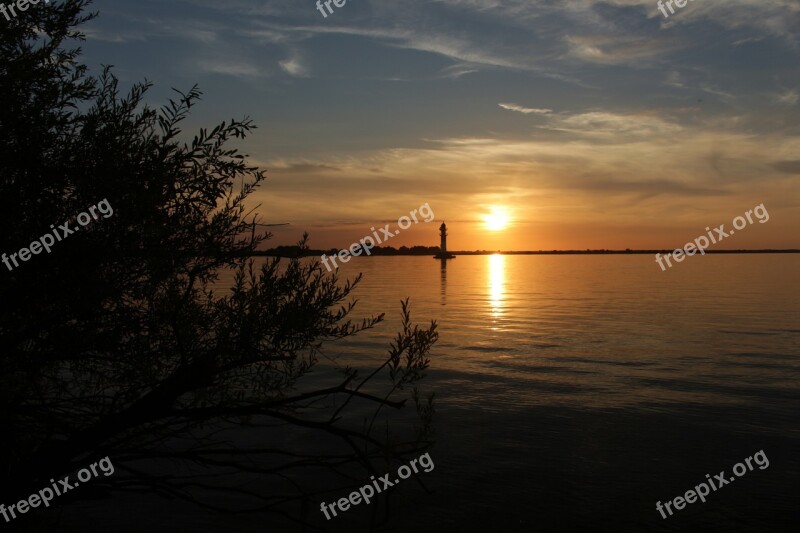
x=587, y=251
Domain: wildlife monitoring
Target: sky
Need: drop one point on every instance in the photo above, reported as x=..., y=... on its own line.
x=524, y=124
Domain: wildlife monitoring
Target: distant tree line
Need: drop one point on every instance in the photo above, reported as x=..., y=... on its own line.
x=296, y=251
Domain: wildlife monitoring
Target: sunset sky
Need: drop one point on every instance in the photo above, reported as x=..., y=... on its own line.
x=587, y=124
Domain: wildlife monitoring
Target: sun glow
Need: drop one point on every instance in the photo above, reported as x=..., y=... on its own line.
x=497, y=219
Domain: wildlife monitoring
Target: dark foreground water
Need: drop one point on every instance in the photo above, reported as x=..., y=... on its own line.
x=573, y=393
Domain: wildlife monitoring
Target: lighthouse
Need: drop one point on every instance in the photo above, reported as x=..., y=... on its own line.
x=443, y=247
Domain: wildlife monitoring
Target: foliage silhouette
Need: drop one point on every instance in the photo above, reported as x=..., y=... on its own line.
x=117, y=344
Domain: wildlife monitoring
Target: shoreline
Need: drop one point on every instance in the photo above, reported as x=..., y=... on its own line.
x=378, y=252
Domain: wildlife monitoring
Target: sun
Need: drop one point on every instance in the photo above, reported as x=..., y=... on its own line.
x=497, y=219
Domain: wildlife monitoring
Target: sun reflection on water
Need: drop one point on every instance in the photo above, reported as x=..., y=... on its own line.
x=497, y=281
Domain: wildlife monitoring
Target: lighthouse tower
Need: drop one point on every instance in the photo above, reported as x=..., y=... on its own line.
x=443, y=254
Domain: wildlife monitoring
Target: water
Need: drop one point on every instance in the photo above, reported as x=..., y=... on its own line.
x=574, y=392
x=600, y=331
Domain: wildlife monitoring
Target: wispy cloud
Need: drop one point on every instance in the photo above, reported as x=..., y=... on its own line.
x=295, y=67
x=614, y=126
x=525, y=110
x=458, y=70
x=788, y=98
x=613, y=49
x=238, y=69
x=789, y=167
x=113, y=36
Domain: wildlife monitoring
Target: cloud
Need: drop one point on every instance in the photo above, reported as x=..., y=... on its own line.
x=294, y=66
x=458, y=70
x=789, y=97
x=612, y=49
x=237, y=69
x=674, y=79
x=525, y=110
x=301, y=168
x=201, y=35
x=614, y=126
x=93, y=34
x=634, y=158
x=457, y=48
x=789, y=167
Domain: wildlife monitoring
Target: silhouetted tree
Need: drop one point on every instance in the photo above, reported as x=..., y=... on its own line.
x=116, y=342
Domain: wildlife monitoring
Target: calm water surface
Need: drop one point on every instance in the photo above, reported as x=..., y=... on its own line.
x=599, y=331
x=574, y=392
